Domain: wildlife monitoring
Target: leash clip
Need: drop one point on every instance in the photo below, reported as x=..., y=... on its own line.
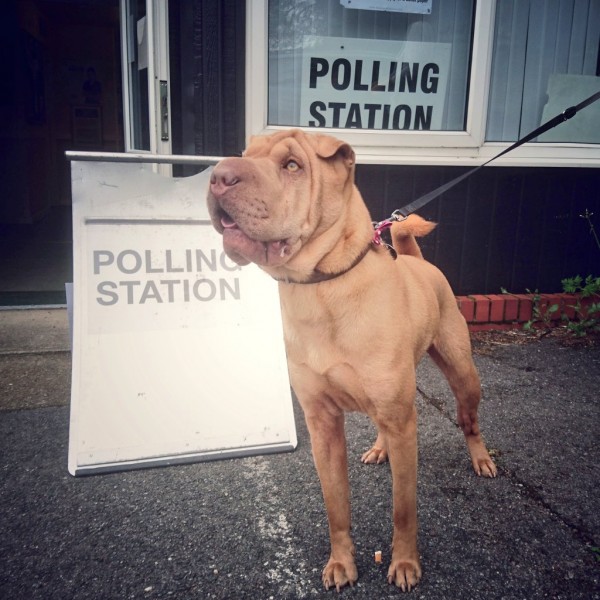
x=397, y=216
x=381, y=226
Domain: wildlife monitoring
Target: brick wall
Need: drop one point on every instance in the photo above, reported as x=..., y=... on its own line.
x=512, y=311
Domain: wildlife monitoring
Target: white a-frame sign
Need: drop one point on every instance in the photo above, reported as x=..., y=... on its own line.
x=178, y=353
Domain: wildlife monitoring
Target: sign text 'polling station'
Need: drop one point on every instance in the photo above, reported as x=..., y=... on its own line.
x=373, y=84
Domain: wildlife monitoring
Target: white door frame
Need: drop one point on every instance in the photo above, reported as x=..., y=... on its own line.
x=154, y=32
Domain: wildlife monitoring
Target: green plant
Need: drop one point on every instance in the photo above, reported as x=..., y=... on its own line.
x=587, y=215
x=590, y=286
x=587, y=314
x=539, y=314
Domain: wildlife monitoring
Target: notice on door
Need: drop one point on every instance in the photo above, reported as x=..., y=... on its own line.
x=354, y=83
x=422, y=7
x=178, y=353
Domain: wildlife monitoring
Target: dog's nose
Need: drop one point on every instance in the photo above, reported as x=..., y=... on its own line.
x=223, y=177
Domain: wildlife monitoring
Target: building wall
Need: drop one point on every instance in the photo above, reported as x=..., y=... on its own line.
x=513, y=228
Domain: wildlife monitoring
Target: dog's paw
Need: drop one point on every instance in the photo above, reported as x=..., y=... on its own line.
x=481, y=460
x=339, y=573
x=374, y=456
x=485, y=467
x=404, y=574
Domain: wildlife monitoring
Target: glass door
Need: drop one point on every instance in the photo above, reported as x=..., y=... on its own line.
x=145, y=66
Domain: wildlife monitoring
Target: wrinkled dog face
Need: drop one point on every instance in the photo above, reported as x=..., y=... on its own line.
x=268, y=203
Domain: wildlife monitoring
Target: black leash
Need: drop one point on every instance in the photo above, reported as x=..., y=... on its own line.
x=402, y=213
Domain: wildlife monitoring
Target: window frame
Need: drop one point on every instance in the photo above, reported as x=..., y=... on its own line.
x=411, y=147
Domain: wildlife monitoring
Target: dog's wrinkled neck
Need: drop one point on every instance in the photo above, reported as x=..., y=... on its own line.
x=343, y=245
x=319, y=276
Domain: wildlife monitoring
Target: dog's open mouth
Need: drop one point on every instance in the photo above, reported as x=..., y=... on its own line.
x=226, y=220
x=237, y=242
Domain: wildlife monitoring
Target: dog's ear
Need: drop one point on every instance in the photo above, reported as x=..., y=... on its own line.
x=256, y=144
x=328, y=147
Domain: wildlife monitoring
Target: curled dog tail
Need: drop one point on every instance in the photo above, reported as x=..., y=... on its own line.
x=404, y=233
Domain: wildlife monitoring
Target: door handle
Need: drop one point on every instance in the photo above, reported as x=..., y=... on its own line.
x=164, y=110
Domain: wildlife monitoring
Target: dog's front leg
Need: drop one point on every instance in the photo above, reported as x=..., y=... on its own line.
x=401, y=435
x=328, y=442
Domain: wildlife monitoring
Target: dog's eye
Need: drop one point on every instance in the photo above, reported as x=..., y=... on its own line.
x=292, y=166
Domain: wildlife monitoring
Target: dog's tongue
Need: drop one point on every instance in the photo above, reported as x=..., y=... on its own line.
x=228, y=222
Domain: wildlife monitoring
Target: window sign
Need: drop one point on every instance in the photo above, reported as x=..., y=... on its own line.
x=402, y=6
x=569, y=90
x=373, y=84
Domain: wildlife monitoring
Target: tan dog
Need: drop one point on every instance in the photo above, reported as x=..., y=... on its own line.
x=356, y=321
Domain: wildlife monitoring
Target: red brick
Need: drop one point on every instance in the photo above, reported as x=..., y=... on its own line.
x=525, y=307
x=496, y=308
x=482, y=309
x=473, y=327
x=568, y=305
x=511, y=308
x=586, y=303
x=467, y=307
x=546, y=302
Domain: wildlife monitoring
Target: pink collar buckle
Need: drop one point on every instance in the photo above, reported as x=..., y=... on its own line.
x=379, y=228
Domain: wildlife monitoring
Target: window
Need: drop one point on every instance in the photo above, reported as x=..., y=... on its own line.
x=545, y=59
x=332, y=66
x=451, y=82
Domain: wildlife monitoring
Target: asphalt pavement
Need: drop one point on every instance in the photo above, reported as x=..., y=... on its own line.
x=255, y=527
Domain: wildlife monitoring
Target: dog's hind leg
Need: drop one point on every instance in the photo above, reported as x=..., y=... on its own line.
x=452, y=354
x=378, y=453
